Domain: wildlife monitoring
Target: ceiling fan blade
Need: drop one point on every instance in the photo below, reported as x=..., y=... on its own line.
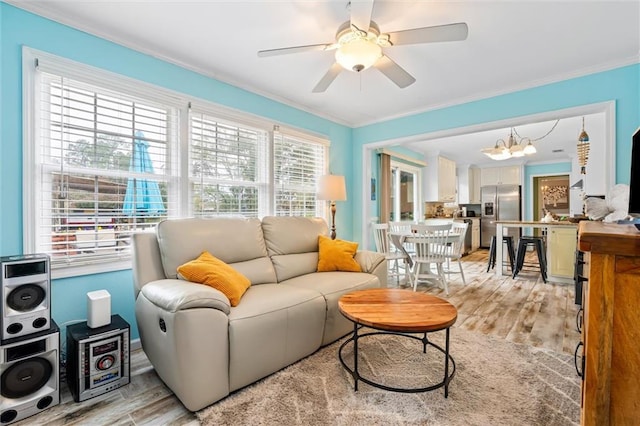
x=295, y=49
x=328, y=78
x=449, y=32
x=394, y=72
x=361, y=13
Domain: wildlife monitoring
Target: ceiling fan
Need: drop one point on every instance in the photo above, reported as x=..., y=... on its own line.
x=358, y=49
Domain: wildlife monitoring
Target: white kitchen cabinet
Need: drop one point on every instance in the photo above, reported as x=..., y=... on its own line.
x=474, y=185
x=475, y=234
x=561, y=250
x=468, y=184
x=508, y=175
x=440, y=180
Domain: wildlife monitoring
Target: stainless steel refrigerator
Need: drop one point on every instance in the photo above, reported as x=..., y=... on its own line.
x=499, y=202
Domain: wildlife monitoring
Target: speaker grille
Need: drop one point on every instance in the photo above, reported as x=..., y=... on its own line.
x=26, y=297
x=25, y=377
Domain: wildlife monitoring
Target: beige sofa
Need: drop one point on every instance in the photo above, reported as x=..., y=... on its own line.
x=200, y=346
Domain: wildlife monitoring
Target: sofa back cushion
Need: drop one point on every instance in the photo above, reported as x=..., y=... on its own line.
x=236, y=241
x=292, y=244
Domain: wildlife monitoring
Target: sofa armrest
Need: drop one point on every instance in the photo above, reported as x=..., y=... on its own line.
x=369, y=260
x=174, y=295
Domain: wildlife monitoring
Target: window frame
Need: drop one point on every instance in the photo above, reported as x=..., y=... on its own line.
x=178, y=183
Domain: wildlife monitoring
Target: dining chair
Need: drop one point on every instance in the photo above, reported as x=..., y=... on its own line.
x=431, y=249
x=455, y=249
x=400, y=227
x=391, y=253
x=404, y=229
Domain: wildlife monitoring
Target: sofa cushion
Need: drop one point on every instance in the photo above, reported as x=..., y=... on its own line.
x=332, y=285
x=230, y=239
x=273, y=327
x=293, y=265
x=337, y=255
x=209, y=270
x=292, y=243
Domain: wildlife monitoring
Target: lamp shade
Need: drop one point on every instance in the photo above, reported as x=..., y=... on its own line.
x=332, y=188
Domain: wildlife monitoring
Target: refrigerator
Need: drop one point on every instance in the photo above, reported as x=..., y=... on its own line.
x=499, y=202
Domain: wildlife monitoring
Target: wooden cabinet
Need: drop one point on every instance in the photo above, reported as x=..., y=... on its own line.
x=611, y=332
x=509, y=175
x=440, y=180
x=561, y=249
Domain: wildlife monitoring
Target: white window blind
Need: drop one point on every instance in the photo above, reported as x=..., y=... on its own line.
x=106, y=156
x=104, y=168
x=298, y=164
x=227, y=168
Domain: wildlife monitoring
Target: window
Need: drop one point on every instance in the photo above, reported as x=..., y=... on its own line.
x=297, y=165
x=227, y=168
x=104, y=158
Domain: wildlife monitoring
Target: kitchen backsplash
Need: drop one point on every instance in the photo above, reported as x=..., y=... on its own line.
x=475, y=208
x=438, y=209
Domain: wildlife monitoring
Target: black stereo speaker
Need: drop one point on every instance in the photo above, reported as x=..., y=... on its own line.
x=25, y=289
x=97, y=358
x=29, y=375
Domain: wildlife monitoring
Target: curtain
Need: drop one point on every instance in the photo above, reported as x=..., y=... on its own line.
x=384, y=171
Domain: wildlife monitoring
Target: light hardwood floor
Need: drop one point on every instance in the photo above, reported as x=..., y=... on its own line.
x=523, y=310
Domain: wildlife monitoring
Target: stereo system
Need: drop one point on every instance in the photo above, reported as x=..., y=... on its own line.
x=25, y=283
x=97, y=358
x=29, y=371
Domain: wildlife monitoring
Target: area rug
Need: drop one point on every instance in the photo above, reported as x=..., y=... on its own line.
x=496, y=383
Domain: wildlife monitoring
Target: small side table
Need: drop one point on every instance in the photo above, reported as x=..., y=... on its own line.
x=397, y=312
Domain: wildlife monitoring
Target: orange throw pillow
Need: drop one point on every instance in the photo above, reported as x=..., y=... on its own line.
x=209, y=270
x=337, y=255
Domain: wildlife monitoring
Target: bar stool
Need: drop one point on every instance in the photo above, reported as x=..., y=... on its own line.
x=506, y=239
x=538, y=243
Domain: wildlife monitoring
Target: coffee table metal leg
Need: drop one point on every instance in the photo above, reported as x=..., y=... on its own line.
x=356, y=376
x=425, y=342
x=446, y=366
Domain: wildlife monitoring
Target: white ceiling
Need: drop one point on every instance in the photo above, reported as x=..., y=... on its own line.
x=511, y=45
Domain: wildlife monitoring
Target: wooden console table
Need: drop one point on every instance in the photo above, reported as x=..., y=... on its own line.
x=611, y=332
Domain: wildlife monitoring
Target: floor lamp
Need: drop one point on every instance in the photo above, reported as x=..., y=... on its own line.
x=332, y=188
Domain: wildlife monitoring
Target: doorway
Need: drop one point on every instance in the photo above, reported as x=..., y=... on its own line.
x=404, y=192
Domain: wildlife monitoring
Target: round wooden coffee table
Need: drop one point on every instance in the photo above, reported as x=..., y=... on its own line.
x=397, y=312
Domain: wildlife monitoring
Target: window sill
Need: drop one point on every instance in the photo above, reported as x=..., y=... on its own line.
x=76, y=271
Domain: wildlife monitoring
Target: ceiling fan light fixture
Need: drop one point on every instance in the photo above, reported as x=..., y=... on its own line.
x=358, y=54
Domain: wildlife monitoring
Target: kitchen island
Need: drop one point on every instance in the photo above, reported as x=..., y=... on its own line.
x=561, y=246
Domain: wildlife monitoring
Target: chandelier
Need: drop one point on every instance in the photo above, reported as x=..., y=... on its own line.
x=514, y=148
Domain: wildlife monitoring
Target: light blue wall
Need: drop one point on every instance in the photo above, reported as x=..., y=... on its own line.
x=539, y=170
x=621, y=85
x=18, y=28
